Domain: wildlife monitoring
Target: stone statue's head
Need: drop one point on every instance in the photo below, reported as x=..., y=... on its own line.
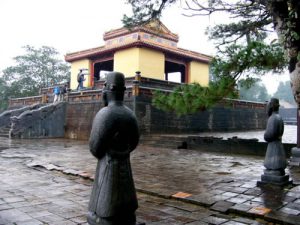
x=273, y=106
x=114, y=87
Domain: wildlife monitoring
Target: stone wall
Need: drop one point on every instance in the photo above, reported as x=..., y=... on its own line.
x=230, y=115
x=80, y=116
x=289, y=115
x=227, y=116
x=232, y=145
x=224, y=117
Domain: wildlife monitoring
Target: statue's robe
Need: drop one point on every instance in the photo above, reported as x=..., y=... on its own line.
x=114, y=135
x=275, y=156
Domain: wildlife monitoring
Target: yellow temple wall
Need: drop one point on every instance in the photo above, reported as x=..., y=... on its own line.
x=127, y=61
x=75, y=66
x=198, y=73
x=150, y=63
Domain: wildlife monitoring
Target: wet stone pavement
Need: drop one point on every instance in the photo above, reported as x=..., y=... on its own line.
x=49, y=182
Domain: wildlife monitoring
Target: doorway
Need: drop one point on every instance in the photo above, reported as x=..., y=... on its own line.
x=175, y=72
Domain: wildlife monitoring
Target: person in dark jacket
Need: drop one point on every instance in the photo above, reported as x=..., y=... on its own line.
x=63, y=91
x=80, y=79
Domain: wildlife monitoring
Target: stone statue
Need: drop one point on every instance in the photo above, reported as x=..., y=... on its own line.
x=275, y=159
x=114, y=135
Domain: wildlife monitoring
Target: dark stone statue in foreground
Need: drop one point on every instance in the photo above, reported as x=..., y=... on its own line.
x=114, y=135
x=275, y=159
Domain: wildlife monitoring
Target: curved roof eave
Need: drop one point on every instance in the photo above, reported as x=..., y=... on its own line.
x=91, y=53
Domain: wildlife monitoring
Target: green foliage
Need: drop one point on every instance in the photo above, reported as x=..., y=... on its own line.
x=3, y=94
x=145, y=11
x=248, y=82
x=289, y=28
x=190, y=98
x=237, y=60
x=34, y=70
x=243, y=47
x=255, y=58
x=224, y=34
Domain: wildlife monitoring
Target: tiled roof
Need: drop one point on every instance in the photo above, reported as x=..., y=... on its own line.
x=89, y=53
x=156, y=28
x=124, y=31
x=84, y=54
x=160, y=38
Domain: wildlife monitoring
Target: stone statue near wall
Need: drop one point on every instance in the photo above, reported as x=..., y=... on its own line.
x=114, y=135
x=275, y=159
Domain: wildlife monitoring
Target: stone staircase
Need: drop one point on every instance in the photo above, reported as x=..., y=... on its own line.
x=4, y=132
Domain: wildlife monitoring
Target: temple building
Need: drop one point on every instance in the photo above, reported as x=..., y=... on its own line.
x=151, y=49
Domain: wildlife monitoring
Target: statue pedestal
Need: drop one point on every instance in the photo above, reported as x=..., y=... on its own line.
x=274, y=177
x=295, y=157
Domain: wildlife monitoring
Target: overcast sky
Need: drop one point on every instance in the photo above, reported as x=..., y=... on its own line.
x=72, y=25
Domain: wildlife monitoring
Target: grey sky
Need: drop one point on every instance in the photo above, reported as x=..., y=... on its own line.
x=72, y=25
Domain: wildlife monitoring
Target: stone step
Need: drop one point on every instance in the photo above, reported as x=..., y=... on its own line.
x=4, y=132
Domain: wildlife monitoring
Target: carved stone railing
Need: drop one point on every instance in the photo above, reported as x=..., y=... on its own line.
x=84, y=96
x=26, y=101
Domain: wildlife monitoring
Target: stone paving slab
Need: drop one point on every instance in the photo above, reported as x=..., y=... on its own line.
x=49, y=182
x=42, y=196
